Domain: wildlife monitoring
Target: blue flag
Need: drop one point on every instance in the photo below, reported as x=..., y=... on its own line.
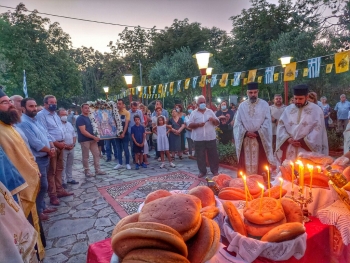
x=194, y=81
x=269, y=75
x=214, y=80
x=236, y=78
x=314, y=65
x=25, y=91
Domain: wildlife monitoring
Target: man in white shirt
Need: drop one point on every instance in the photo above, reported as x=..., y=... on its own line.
x=70, y=139
x=203, y=123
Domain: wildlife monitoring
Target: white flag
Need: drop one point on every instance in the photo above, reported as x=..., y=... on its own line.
x=269, y=75
x=236, y=78
x=314, y=65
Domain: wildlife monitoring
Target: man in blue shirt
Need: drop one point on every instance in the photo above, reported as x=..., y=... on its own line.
x=41, y=145
x=159, y=104
x=342, y=109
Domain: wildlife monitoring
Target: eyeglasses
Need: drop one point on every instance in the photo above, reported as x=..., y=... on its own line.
x=6, y=102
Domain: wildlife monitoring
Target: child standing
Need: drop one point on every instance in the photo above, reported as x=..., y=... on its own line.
x=138, y=136
x=162, y=141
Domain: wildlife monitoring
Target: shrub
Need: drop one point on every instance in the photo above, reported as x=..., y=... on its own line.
x=227, y=154
x=335, y=141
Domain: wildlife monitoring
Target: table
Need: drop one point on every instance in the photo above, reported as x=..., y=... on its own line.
x=323, y=246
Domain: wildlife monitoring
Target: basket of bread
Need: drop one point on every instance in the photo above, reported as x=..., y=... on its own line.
x=170, y=227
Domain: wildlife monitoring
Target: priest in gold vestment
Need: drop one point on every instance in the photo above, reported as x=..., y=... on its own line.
x=252, y=131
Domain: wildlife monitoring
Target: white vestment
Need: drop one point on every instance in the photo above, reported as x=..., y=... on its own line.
x=253, y=117
x=276, y=113
x=306, y=123
x=346, y=134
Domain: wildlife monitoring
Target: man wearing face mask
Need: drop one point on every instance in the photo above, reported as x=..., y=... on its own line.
x=68, y=152
x=52, y=122
x=203, y=123
x=301, y=127
x=252, y=131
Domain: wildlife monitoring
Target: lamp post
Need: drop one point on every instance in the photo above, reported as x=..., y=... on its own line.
x=202, y=58
x=284, y=61
x=106, y=89
x=128, y=80
x=208, y=72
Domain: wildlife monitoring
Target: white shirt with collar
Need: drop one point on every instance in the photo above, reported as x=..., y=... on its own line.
x=69, y=133
x=207, y=132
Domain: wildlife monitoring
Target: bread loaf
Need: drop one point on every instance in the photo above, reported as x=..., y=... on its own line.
x=210, y=211
x=150, y=255
x=156, y=195
x=222, y=180
x=275, y=192
x=292, y=210
x=234, y=218
x=257, y=231
x=205, y=194
x=284, y=232
x=126, y=220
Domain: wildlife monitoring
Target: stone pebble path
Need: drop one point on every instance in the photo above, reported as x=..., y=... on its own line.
x=86, y=217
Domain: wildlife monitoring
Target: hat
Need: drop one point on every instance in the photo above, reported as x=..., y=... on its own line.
x=301, y=90
x=253, y=86
x=2, y=93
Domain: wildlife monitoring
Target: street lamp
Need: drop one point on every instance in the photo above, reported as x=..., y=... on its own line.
x=202, y=58
x=106, y=89
x=285, y=60
x=219, y=100
x=128, y=80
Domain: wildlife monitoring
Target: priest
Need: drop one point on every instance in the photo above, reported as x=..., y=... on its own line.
x=301, y=127
x=252, y=131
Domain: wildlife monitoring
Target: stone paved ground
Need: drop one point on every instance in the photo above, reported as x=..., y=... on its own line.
x=86, y=217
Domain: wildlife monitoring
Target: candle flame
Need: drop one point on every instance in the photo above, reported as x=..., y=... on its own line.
x=241, y=173
x=244, y=177
x=266, y=167
x=310, y=167
x=291, y=163
x=318, y=168
x=261, y=185
x=300, y=163
x=281, y=179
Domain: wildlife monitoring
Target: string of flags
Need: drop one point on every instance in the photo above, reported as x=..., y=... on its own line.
x=341, y=65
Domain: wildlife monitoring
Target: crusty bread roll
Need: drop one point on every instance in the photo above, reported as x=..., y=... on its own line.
x=222, y=180
x=156, y=195
x=231, y=193
x=257, y=231
x=256, y=178
x=234, y=218
x=150, y=255
x=292, y=210
x=178, y=211
x=151, y=226
x=271, y=211
x=318, y=180
x=287, y=231
x=251, y=184
x=210, y=211
x=205, y=194
x=216, y=242
x=126, y=220
x=275, y=192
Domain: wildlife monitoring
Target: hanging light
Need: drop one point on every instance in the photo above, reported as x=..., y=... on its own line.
x=203, y=60
x=219, y=100
x=106, y=89
x=128, y=79
x=285, y=60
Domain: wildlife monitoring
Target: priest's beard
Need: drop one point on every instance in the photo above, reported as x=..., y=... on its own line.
x=10, y=116
x=253, y=99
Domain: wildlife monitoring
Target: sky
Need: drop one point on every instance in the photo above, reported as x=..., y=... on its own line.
x=146, y=13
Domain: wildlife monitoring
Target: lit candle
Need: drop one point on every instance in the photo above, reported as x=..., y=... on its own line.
x=301, y=174
x=262, y=195
x=268, y=179
x=245, y=188
x=318, y=169
x=311, y=170
x=281, y=180
x=292, y=164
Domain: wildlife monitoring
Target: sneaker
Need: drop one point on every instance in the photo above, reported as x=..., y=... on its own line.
x=128, y=167
x=100, y=172
x=118, y=166
x=137, y=167
x=159, y=159
x=144, y=165
x=88, y=174
x=172, y=165
x=162, y=165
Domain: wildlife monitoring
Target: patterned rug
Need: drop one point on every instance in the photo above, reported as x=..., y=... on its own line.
x=125, y=198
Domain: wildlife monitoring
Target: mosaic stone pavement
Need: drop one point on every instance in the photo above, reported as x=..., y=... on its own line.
x=88, y=216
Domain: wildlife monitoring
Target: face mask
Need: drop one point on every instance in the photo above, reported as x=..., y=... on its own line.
x=190, y=111
x=202, y=106
x=64, y=118
x=52, y=107
x=223, y=107
x=177, y=110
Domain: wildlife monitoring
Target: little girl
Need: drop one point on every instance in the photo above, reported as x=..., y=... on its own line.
x=162, y=140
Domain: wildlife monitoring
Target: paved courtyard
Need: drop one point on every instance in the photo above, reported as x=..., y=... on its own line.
x=86, y=217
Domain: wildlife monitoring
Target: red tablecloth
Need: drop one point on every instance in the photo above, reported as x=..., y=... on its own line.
x=317, y=250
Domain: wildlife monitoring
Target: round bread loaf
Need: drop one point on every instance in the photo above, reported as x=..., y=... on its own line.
x=251, y=184
x=275, y=192
x=199, y=245
x=150, y=255
x=126, y=220
x=231, y=193
x=234, y=217
x=129, y=239
x=205, y=194
x=287, y=231
x=256, y=178
x=318, y=180
x=151, y=226
x=181, y=212
x=216, y=242
x=222, y=180
x=271, y=211
x=292, y=210
x=156, y=195
x=257, y=231
x=210, y=211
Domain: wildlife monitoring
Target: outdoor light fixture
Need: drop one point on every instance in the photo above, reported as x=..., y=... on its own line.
x=209, y=71
x=219, y=100
x=139, y=88
x=203, y=60
x=128, y=80
x=106, y=89
x=196, y=98
x=285, y=60
x=244, y=98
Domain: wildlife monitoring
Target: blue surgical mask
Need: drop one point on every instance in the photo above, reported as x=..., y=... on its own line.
x=52, y=107
x=223, y=107
x=202, y=106
x=177, y=110
x=190, y=111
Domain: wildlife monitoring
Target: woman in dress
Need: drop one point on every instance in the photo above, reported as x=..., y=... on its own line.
x=190, y=142
x=225, y=116
x=176, y=126
x=326, y=110
x=179, y=110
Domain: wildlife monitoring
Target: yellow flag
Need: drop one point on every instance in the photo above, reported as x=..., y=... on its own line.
x=171, y=88
x=275, y=76
x=342, y=62
x=202, y=82
x=187, y=83
x=289, y=72
x=133, y=91
x=329, y=68
x=251, y=75
x=232, y=80
x=245, y=81
x=305, y=72
x=259, y=79
x=149, y=89
x=223, y=80
x=160, y=88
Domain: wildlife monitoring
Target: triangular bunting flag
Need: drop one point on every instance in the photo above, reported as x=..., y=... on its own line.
x=259, y=79
x=194, y=81
x=305, y=72
x=223, y=80
x=214, y=80
x=275, y=76
x=187, y=83
x=179, y=85
x=236, y=78
x=160, y=88
x=171, y=88
x=154, y=89
x=269, y=75
x=202, y=82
